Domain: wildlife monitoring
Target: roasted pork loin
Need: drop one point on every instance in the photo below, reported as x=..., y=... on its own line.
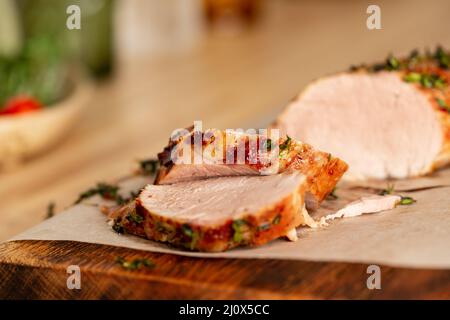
x=389, y=120
x=218, y=213
x=271, y=156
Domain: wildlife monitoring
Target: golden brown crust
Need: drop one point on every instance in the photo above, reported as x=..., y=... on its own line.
x=322, y=170
x=427, y=64
x=254, y=228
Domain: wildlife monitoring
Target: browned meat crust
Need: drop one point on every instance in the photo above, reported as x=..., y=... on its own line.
x=254, y=228
x=322, y=170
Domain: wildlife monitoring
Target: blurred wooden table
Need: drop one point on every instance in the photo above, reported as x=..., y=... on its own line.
x=227, y=82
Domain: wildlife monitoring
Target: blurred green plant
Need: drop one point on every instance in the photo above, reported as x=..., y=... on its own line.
x=38, y=52
x=38, y=71
x=92, y=45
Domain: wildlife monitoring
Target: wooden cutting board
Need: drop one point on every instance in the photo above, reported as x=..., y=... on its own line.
x=38, y=270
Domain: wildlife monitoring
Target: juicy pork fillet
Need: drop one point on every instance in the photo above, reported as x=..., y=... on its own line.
x=272, y=156
x=384, y=124
x=218, y=213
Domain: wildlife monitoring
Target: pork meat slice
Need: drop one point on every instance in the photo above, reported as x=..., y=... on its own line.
x=217, y=214
x=321, y=169
x=386, y=121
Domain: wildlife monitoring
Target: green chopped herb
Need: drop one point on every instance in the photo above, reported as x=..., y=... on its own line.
x=134, y=217
x=286, y=144
x=284, y=147
x=389, y=190
x=238, y=226
x=392, y=63
x=444, y=106
x=426, y=80
x=106, y=191
x=50, y=210
x=117, y=227
x=276, y=220
x=413, y=58
x=413, y=77
x=193, y=235
x=329, y=157
x=442, y=57
x=149, y=166
x=405, y=201
x=135, y=264
x=187, y=230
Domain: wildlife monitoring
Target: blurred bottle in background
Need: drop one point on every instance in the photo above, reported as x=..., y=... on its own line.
x=97, y=36
x=154, y=27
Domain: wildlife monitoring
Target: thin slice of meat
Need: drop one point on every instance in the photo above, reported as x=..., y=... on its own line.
x=220, y=156
x=370, y=204
x=386, y=121
x=217, y=214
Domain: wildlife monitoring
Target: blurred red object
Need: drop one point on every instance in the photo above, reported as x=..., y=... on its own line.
x=20, y=104
x=244, y=10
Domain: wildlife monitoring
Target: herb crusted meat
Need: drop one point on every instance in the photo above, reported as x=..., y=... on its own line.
x=322, y=169
x=389, y=120
x=217, y=214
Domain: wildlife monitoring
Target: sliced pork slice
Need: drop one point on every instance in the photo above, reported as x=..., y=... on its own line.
x=271, y=156
x=217, y=214
x=387, y=121
x=370, y=204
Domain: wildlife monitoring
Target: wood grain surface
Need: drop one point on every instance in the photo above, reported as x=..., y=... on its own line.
x=37, y=270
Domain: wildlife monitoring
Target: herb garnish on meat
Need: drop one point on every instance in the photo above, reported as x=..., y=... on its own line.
x=191, y=234
x=117, y=227
x=276, y=220
x=134, y=217
x=426, y=80
x=442, y=57
x=285, y=146
x=239, y=227
x=443, y=105
x=439, y=58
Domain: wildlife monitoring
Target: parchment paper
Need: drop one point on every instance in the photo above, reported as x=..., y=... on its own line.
x=410, y=236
